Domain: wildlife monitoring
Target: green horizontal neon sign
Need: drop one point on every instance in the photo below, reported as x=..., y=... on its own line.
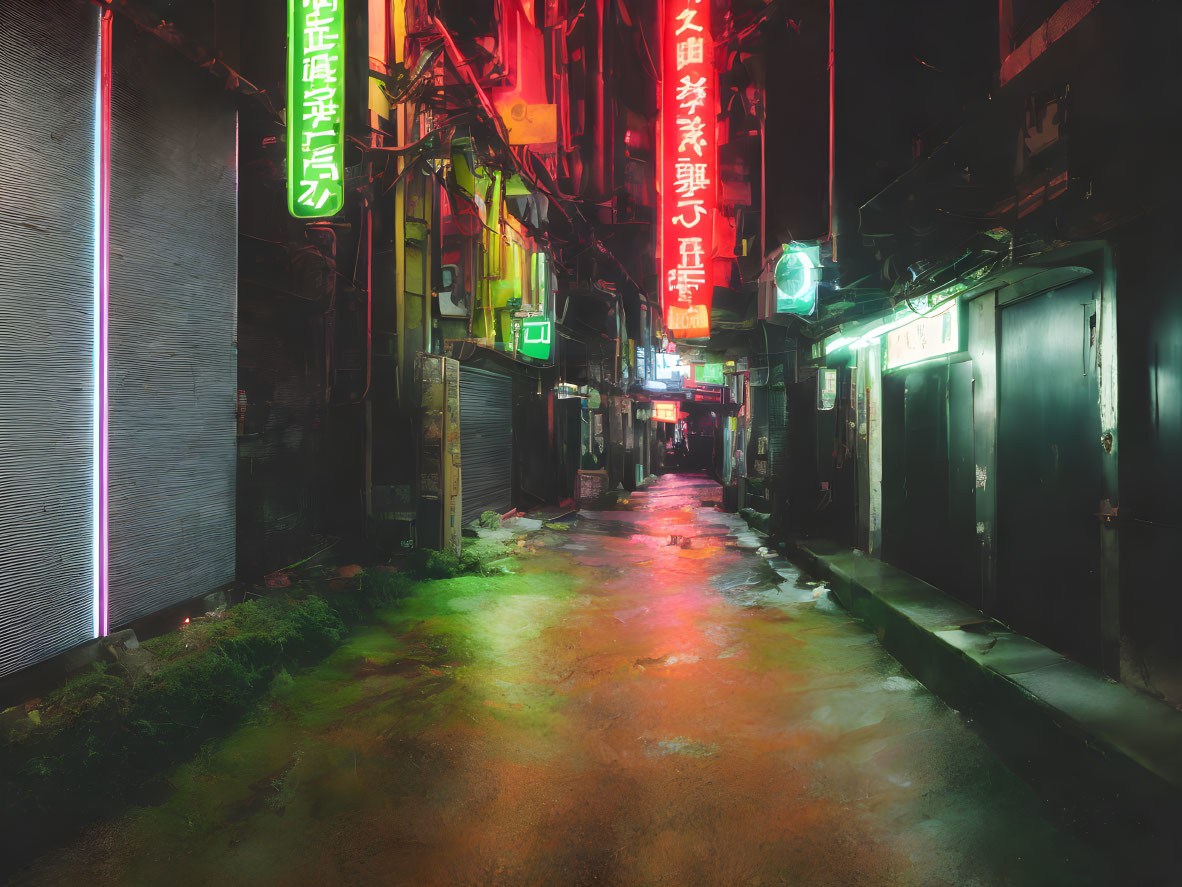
x=929, y=335
x=315, y=107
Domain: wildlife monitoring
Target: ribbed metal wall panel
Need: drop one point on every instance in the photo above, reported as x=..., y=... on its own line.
x=777, y=427
x=47, y=183
x=486, y=442
x=173, y=372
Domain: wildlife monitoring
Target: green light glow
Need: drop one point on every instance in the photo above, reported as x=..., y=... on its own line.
x=837, y=343
x=797, y=274
x=315, y=108
x=930, y=335
x=535, y=337
x=709, y=374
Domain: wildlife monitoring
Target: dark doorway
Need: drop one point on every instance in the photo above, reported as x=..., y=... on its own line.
x=927, y=486
x=1048, y=471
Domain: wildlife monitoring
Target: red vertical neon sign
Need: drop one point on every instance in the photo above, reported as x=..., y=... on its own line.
x=688, y=167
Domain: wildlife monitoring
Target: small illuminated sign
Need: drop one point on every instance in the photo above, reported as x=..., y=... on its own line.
x=540, y=279
x=930, y=335
x=688, y=163
x=315, y=107
x=709, y=374
x=535, y=337
x=665, y=410
x=669, y=367
x=798, y=273
x=826, y=389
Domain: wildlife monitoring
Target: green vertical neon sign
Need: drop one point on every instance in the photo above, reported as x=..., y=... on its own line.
x=315, y=107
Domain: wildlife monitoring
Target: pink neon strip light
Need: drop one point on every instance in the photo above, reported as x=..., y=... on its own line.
x=1064, y=19
x=102, y=590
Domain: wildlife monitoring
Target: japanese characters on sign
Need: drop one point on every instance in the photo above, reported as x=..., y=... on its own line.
x=688, y=168
x=929, y=335
x=315, y=107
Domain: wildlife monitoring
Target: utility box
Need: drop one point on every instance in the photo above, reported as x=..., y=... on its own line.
x=592, y=485
x=440, y=499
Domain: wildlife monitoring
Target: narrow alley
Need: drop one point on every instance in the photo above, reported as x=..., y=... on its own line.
x=643, y=701
x=562, y=442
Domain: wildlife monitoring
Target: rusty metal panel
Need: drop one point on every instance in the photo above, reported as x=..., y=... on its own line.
x=439, y=453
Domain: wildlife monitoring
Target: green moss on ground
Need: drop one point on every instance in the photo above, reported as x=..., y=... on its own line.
x=105, y=736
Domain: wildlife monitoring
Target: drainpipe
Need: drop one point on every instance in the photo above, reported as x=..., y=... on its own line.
x=832, y=236
x=367, y=220
x=400, y=259
x=599, y=131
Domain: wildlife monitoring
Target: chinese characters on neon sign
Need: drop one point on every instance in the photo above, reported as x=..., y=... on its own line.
x=315, y=107
x=688, y=168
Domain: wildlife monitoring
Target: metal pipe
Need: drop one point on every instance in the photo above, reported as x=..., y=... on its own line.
x=832, y=235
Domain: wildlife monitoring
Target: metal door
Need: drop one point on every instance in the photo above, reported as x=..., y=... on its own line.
x=964, y=567
x=486, y=442
x=1048, y=467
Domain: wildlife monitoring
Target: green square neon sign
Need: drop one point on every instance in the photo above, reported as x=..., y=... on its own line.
x=798, y=272
x=315, y=107
x=535, y=337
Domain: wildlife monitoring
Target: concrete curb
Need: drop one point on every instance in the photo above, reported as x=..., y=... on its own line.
x=1082, y=739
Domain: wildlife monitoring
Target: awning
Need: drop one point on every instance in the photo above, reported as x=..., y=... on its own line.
x=1022, y=281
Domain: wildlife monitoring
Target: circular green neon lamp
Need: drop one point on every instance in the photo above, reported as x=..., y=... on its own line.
x=797, y=274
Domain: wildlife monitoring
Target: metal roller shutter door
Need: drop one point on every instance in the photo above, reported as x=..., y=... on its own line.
x=777, y=430
x=47, y=293
x=486, y=442
x=173, y=364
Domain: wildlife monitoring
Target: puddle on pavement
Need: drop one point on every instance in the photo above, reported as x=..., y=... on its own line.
x=618, y=711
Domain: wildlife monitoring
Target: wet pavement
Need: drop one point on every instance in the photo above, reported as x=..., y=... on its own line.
x=643, y=701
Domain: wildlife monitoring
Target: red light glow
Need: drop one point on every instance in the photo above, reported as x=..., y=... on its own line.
x=665, y=410
x=688, y=169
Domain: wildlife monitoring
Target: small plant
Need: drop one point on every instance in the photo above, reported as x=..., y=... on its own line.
x=441, y=565
x=470, y=561
x=379, y=587
x=490, y=520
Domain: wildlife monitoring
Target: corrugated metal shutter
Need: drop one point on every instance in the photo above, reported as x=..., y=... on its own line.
x=777, y=429
x=47, y=177
x=486, y=442
x=173, y=375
